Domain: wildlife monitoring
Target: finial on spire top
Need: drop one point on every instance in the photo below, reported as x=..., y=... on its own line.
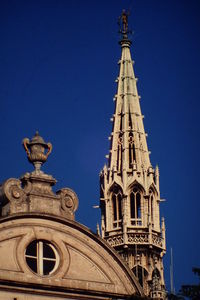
x=123, y=24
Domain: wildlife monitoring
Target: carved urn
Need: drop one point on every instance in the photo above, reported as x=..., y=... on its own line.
x=36, y=150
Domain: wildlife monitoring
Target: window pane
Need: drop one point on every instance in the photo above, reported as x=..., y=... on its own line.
x=152, y=212
x=48, y=266
x=138, y=203
x=120, y=206
x=32, y=263
x=132, y=200
x=140, y=276
x=41, y=257
x=114, y=207
x=48, y=251
x=32, y=249
x=140, y=273
x=156, y=273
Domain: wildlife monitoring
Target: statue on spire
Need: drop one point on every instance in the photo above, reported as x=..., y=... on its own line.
x=123, y=22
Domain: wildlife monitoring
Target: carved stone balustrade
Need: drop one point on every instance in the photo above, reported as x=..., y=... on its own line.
x=136, y=239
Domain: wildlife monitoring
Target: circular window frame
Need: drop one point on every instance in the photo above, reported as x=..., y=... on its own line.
x=40, y=259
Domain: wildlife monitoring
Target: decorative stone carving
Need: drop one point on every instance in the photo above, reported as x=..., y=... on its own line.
x=35, y=149
x=69, y=202
x=33, y=193
x=11, y=189
x=41, y=183
x=130, y=167
x=157, y=240
x=115, y=240
x=138, y=238
x=13, y=196
x=86, y=267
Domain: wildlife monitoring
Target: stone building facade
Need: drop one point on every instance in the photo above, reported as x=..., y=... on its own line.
x=44, y=253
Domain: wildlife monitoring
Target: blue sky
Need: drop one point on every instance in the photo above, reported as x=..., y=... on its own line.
x=58, y=64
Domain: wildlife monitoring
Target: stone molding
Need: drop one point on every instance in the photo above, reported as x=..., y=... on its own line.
x=101, y=269
x=151, y=239
x=33, y=193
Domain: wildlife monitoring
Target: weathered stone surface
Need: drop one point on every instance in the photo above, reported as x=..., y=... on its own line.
x=33, y=193
x=130, y=192
x=85, y=262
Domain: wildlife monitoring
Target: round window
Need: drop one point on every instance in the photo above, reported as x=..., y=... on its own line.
x=42, y=257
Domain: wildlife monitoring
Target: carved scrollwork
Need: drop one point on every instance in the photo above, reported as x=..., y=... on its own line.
x=13, y=197
x=11, y=190
x=69, y=202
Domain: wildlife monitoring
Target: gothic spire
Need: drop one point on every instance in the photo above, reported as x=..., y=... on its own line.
x=129, y=186
x=129, y=154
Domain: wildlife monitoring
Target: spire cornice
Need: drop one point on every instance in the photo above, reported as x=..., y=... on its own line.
x=125, y=42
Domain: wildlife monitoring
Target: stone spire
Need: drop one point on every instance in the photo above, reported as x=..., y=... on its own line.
x=130, y=194
x=129, y=154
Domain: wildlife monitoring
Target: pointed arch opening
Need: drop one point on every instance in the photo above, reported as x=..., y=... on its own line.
x=119, y=153
x=156, y=280
x=132, y=155
x=116, y=198
x=141, y=274
x=135, y=206
x=151, y=207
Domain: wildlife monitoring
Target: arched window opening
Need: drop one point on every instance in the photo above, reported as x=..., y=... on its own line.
x=117, y=208
x=132, y=156
x=151, y=208
x=114, y=201
x=135, y=207
x=130, y=120
x=156, y=273
x=120, y=206
x=121, y=119
x=133, y=211
x=119, y=154
x=156, y=280
x=138, y=204
x=141, y=274
x=103, y=212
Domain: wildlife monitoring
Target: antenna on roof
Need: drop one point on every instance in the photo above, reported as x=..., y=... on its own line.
x=171, y=272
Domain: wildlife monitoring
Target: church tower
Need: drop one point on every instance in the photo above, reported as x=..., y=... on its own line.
x=129, y=185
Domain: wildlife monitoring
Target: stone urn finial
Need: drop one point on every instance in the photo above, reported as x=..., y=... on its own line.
x=35, y=149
